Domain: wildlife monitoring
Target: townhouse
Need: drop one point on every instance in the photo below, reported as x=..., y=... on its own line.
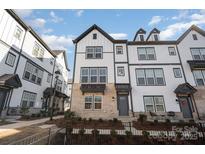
x=27, y=68
x=120, y=78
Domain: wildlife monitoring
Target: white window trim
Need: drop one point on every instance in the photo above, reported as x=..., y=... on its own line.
x=154, y=103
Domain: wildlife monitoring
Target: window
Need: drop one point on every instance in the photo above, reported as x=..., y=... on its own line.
x=194, y=37
x=198, y=53
x=94, y=52
x=18, y=33
x=93, y=102
x=94, y=36
x=177, y=72
x=146, y=53
x=150, y=77
x=33, y=74
x=120, y=71
x=172, y=51
x=10, y=60
x=156, y=38
x=28, y=99
x=49, y=78
x=154, y=104
x=38, y=51
x=59, y=85
x=199, y=76
x=88, y=102
x=94, y=75
x=141, y=37
x=119, y=50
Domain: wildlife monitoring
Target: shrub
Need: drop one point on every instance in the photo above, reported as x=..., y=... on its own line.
x=33, y=115
x=110, y=120
x=145, y=134
x=78, y=118
x=68, y=114
x=191, y=121
x=181, y=121
x=115, y=120
x=24, y=111
x=38, y=115
x=156, y=121
x=179, y=135
x=128, y=133
x=168, y=121
x=81, y=132
x=84, y=119
x=90, y=119
x=95, y=132
x=100, y=120
x=142, y=118
x=69, y=130
x=113, y=132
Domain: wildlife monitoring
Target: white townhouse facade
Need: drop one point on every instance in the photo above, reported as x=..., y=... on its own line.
x=117, y=78
x=27, y=67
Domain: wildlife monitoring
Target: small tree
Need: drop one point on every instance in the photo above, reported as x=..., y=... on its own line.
x=24, y=111
x=142, y=118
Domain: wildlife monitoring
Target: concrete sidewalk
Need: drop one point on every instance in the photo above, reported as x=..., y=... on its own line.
x=20, y=124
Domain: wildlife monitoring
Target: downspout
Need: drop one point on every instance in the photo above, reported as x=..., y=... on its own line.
x=17, y=63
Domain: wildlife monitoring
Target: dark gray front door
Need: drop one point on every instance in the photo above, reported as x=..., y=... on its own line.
x=185, y=107
x=123, y=105
x=2, y=98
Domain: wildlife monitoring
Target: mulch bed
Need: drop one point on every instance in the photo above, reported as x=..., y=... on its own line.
x=5, y=123
x=159, y=126
x=88, y=124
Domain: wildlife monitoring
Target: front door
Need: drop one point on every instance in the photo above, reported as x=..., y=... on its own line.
x=185, y=107
x=123, y=105
x=2, y=98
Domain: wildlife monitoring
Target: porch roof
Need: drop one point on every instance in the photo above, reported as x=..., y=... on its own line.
x=194, y=64
x=10, y=81
x=185, y=88
x=50, y=91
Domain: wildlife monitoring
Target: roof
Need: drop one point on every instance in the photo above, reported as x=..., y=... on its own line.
x=185, y=88
x=140, y=31
x=193, y=27
x=50, y=92
x=57, y=52
x=151, y=42
x=10, y=81
x=23, y=24
x=101, y=31
x=154, y=30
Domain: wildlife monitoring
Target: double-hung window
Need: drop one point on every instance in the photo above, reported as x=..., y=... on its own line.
x=150, y=77
x=28, y=99
x=33, y=73
x=177, y=72
x=94, y=75
x=172, y=51
x=38, y=51
x=94, y=52
x=10, y=60
x=146, y=53
x=59, y=85
x=18, y=32
x=154, y=104
x=198, y=53
x=199, y=76
x=119, y=50
x=93, y=102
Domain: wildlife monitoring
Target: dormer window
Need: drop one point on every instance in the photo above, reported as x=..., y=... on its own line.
x=141, y=37
x=94, y=36
x=156, y=37
x=194, y=37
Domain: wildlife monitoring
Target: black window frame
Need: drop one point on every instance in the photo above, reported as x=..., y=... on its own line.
x=146, y=55
x=95, y=36
x=28, y=103
x=94, y=52
x=171, y=52
x=9, y=53
x=194, y=36
x=177, y=68
x=117, y=51
x=120, y=67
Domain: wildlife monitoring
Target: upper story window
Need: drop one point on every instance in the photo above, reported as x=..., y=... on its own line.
x=199, y=76
x=141, y=37
x=94, y=52
x=146, y=53
x=10, y=60
x=94, y=75
x=120, y=71
x=38, y=51
x=94, y=36
x=119, y=50
x=156, y=37
x=49, y=78
x=172, y=51
x=154, y=103
x=194, y=37
x=198, y=53
x=33, y=73
x=28, y=99
x=150, y=77
x=59, y=85
x=177, y=72
x=18, y=33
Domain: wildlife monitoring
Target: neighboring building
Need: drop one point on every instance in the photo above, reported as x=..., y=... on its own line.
x=27, y=66
x=67, y=104
x=114, y=78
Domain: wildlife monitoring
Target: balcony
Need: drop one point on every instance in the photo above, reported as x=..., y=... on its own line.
x=92, y=88
x=196, y=64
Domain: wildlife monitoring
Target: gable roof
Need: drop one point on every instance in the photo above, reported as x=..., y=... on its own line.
x=101, y=31
x=193, y=27
x=57, y=52
x=140, y=31
x=185, y=88
x=154, y=30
